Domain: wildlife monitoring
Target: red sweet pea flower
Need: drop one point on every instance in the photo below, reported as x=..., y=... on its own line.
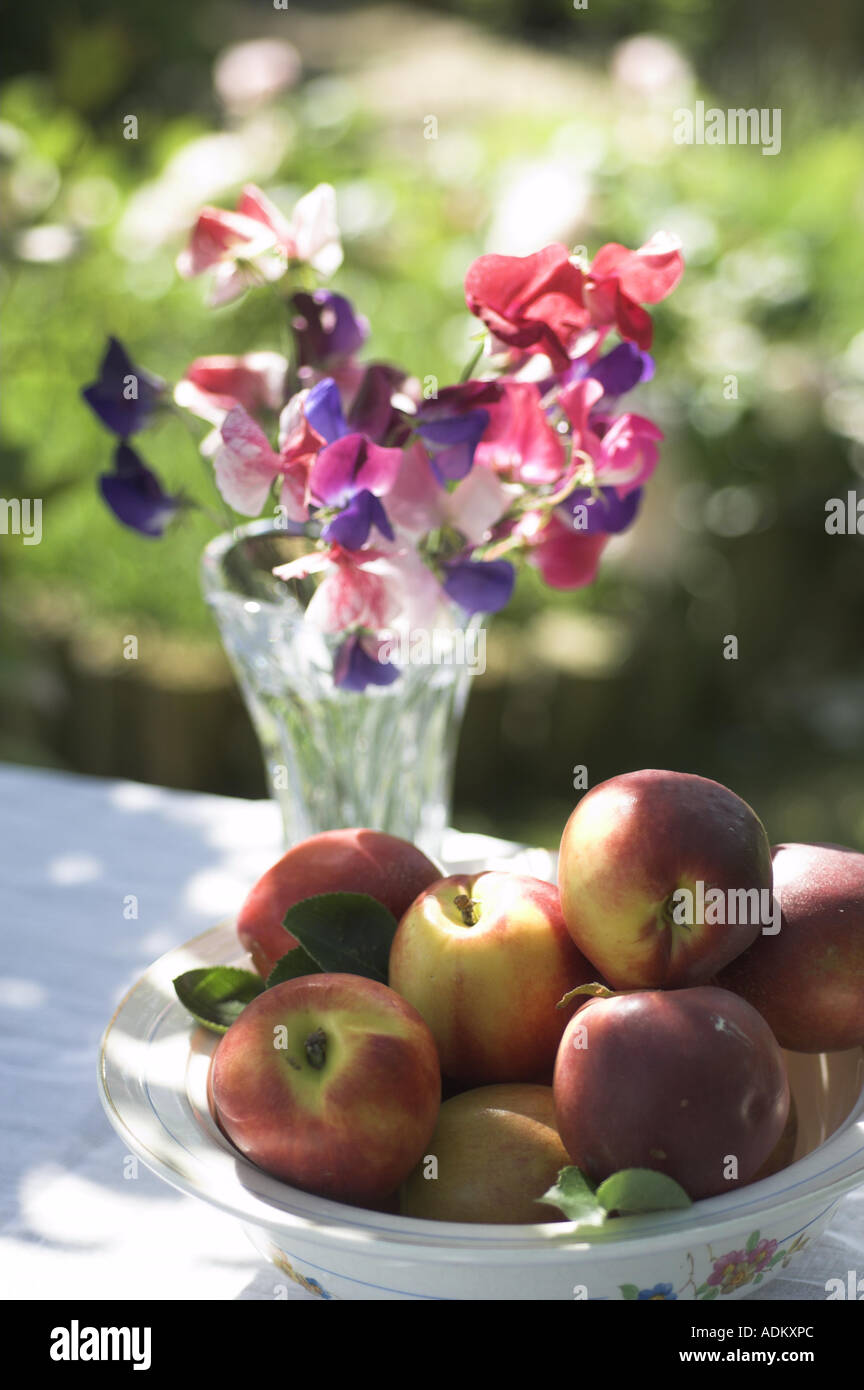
x=620, y=281
x=530, y=302
x=211, y=386
x=541, y=303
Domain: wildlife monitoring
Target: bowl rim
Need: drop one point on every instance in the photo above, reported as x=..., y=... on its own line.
x=142, y=1109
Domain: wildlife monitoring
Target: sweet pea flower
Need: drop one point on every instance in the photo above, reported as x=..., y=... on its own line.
x=417, y=504
x=624, y=449
x=451, y=441
x=601, y=511
x=529, y=302
x=124, y=397
x=619, y=370
x=326, y=328
x=135, y=495
x=479, y=586
x=620, y=281
x=501, y=424
x=359, y=663
x=321, y=462
x=352, y=474
x=545, y=301
x=567, y=558
x=628, y=453
x=257, y=242
x=328, y=333
x=375, y=409
x=519, y=442
x=384, y=588
x=211, y=386
x=246, y=465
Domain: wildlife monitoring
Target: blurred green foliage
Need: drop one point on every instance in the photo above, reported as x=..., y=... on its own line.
x=733, y=539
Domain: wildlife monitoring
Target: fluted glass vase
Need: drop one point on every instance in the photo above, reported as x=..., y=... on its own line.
x=381, y=758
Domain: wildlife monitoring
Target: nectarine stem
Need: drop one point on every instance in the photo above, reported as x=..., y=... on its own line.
x=469, y=908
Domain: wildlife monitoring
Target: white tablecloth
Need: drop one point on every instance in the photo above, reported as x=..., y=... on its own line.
x=73, y=852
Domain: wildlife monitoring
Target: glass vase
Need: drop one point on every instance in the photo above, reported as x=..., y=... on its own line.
x=381, y=758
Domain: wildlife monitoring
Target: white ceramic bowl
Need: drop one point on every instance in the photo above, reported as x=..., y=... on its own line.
x=152, y=1074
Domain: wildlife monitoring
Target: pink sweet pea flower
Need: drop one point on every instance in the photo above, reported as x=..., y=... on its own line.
x=212, y=386
x=417, y=504
x=624, y=450
x=352, y=594
x=312, y=234
x=519, y=442
x=628, y=453
x=566, y=558
x=381, y=589
x=247, y=466
x=257, y=241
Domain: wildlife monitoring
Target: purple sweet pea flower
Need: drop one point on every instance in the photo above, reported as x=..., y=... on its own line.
x=354, y=668
x=621, y=369
x=323, y=410
x=372, y=411
x=124, y=396
x=326, y=327
x=351, y=474
x=604, y=511
x=135, y=494
x=479, y=586
x=451, y=441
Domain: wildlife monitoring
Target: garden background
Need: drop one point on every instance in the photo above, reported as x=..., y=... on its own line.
x=553, y=123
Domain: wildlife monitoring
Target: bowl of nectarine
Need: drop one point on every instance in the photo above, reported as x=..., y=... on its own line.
x=314, y=1113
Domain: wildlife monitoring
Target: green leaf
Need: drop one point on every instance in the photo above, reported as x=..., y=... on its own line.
x=629, y=1291
x=752, y=1241
x=641, y=1189
x=344, y=932
x=217, y=995
x=712, y=1293
x=291, y=966
x=573, y=1194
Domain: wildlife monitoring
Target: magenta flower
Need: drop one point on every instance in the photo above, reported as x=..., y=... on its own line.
x=624, y=449
x=352, y=474
x=519, y=442
x=628, y=452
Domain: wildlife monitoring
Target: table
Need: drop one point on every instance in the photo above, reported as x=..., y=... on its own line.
x=97, y=879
